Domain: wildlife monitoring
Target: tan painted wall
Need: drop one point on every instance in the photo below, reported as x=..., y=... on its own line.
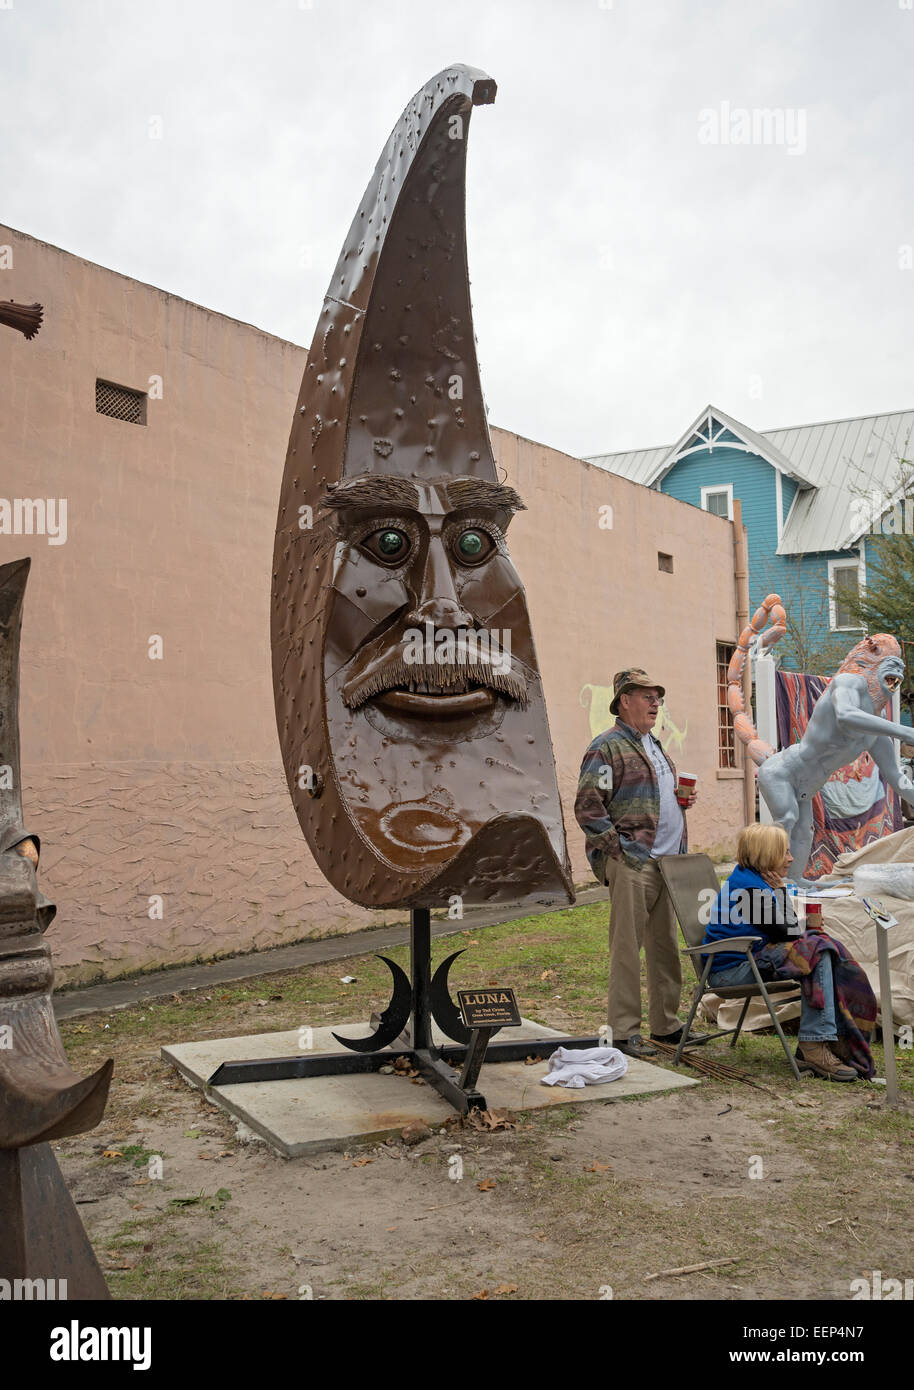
x=600, y=603
x=163, y=777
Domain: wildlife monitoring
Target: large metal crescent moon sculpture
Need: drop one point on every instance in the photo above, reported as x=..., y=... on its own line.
x=409, y=702
x=411, y=784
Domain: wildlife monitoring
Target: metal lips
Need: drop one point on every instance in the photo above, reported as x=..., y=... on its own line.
x=412, y=784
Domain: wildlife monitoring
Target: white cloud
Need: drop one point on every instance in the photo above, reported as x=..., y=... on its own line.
x=623, y=273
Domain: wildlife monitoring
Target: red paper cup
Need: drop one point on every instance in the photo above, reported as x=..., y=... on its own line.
x=813, y=915
x=685, y=787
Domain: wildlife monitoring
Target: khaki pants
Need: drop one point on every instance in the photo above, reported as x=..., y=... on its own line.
x=641, y=915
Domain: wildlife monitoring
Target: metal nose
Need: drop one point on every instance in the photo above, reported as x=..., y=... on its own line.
x=441, y=613
x=438, y=601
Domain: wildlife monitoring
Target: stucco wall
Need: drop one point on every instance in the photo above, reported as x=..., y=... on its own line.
x=599, y=603
x=162, y=777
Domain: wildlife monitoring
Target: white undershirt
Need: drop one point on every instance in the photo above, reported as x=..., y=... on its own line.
x=668, y=839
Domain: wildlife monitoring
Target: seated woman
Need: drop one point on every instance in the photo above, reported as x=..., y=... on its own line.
x=838, y=1006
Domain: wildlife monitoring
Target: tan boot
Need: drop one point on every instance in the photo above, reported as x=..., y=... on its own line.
x=817, y=1057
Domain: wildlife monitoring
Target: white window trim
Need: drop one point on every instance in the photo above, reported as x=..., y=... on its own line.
x=859, y=563
x=719, y=487
x=779, y=503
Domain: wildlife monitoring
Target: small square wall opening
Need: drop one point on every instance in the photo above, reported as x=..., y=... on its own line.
x=664, y=562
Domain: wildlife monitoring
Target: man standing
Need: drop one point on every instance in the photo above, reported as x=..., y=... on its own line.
x=626, y=805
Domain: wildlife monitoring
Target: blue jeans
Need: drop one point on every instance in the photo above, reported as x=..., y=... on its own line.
x=816, y=1025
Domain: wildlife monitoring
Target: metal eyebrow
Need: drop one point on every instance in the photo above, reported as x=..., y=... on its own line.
x=373, y=490
x=478, y=492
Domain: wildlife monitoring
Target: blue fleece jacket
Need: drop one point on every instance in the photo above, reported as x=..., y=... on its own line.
x=747, y=906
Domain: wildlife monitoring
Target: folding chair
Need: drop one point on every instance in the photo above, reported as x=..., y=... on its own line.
x=687, y=876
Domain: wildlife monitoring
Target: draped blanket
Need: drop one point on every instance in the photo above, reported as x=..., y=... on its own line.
x=855, y=1011
x=854, y=807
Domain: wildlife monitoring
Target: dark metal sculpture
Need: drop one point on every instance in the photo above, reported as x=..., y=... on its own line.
x=409, y=702
x=41, y=1097
x=25, y=317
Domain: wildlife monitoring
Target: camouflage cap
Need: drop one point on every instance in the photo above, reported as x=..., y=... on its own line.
x=631, y=679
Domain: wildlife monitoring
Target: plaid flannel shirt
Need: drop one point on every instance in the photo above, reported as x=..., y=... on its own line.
x=618, y=800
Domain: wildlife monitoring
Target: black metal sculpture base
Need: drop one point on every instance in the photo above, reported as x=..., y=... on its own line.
x=408, y=1018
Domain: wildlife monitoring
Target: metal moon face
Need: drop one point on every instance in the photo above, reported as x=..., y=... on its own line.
x=408, y=698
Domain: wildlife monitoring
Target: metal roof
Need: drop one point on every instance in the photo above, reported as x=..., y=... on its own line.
x=837, y=458
x=842, y=457
x=637, y=464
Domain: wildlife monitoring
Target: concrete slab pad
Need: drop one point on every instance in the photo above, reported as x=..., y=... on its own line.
x=321, y=1113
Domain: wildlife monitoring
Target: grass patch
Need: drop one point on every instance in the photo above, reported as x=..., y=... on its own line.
x=599, y=1228
x=164, y=1263
x=557, y=963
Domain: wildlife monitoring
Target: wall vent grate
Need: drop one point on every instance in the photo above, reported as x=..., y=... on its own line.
x=120, y=402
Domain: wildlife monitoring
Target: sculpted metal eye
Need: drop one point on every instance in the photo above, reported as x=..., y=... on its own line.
x=389, y=546
x=473, y=546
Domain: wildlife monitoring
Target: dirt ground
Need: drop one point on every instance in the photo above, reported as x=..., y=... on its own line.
x=807, y=1187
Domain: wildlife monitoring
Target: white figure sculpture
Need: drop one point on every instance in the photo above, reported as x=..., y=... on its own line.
x=846, y=721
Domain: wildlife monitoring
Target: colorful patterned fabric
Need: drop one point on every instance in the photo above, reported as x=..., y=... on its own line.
x=855, y=1013
x=848, y=823
x=618, y=800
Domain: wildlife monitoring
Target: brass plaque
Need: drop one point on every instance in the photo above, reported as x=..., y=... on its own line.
x=494, y=1007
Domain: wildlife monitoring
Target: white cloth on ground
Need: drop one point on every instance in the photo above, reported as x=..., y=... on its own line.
x=575, y=1067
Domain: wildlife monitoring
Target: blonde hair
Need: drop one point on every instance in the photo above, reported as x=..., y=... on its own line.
x=762, y=848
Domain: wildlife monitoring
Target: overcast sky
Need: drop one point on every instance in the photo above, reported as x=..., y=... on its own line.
x=631, y=257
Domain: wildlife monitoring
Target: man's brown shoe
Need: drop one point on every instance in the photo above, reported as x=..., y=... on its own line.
x=636, y=1046
x=817, y=1057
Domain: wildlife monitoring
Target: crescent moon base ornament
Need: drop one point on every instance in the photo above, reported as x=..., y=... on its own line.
x=409, y=702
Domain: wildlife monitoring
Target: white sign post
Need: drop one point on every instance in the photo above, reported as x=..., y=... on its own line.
x=884, y=921
x=766, y=719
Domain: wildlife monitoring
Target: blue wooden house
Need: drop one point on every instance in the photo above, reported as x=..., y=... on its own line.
x=813, y=498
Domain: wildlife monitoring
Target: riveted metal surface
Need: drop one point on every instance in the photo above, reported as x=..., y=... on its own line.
x=408, y=796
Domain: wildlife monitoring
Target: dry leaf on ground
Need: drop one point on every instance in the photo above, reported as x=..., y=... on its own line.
x=491, y=1120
